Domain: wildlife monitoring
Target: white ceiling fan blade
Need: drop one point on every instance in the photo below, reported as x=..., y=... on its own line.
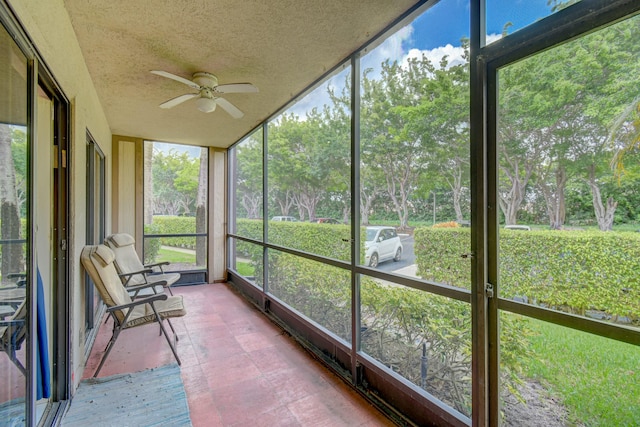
x=236, y=88
x=178, y=100
x=176, y=78
x=229, y=108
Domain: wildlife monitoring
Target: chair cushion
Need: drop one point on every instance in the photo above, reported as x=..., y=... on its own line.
x=126, y=257
x=171, y=307
x=104, y=255
x=127, y=261
x=121, y=239
x=170, y=278
x=105, y=277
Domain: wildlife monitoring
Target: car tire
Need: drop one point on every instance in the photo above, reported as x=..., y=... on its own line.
x=398, y=255
x=373, y=261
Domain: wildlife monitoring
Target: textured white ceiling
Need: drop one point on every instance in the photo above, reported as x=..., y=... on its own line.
x=279, y=46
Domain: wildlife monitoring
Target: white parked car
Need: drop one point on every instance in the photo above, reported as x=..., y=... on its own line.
x=284, y=218
x=381, y=244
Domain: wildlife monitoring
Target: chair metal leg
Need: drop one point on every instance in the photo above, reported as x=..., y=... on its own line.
x=164, y=331
x=112, y=341
x=14, y=358
x=175, y=334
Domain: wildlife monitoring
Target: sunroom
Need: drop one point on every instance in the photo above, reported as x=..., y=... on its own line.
x=438, y=200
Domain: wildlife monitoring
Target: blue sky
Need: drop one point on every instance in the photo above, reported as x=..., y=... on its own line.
x=448, y=21
x=435, y=33
x=166, y=147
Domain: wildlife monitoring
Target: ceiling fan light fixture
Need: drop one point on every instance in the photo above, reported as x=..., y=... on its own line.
x=206, y=105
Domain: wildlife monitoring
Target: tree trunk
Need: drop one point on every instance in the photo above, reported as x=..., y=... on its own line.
x=511, y=201
x=555, y=199
x=604, y=214
x=148, y=182
x=309, y=203
x=251, y=204
x=366, y=201
x=201, y=209
x=346, y=214
x=454, y=179
x=400, y=204
x=285, y=204
x=10, y=227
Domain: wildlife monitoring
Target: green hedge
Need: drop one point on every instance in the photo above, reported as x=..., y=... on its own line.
x=569, y=271
x=151, y=246
x=331, y=241
x=169, y=225
x=175, y=225
x=328, y=240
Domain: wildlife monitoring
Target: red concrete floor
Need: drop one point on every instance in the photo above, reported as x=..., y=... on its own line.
x=238, y=368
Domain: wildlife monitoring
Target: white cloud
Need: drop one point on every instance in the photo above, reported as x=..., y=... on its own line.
x=493, y=37
x=391, y=49
x=454, y=55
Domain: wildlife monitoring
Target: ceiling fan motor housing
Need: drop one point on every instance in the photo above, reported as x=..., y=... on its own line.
x=205, y=80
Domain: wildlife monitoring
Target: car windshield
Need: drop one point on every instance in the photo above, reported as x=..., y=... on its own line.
x=371, y=234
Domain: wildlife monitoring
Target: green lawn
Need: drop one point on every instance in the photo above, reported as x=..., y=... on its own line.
x=597, y=378
x=175, y=257
x=245, y=269
x=179, y=257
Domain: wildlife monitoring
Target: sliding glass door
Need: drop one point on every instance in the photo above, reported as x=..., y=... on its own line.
x=14, y=238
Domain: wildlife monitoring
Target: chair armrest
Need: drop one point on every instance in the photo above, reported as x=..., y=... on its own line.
x=128, y=276
x=14, y=275
x=145, y=271
x=146, y=285
x=11, y=322
x=152, y=298
x=158, y=264
x=11, y=302
x=22, y=276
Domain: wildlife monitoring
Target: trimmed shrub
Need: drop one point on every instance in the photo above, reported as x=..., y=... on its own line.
x=450, y=224
x=568, y=271
x=152, y=245
x=175, y=225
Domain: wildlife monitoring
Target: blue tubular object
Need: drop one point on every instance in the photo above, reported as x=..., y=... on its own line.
x=43, y=374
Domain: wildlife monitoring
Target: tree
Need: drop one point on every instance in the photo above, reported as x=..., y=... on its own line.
x=442, y=117
x=554, y=112
x=298, y=169
x=625, y=128
x=148, y=182
x=249, y=175
x=201, y=207
x=604, y=212
x=10, y=227
x=335, y=153
x=175, y=182
x=389, y=144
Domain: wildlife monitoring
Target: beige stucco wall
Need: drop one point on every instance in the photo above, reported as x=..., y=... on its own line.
x=49, y=28
x=217, y=215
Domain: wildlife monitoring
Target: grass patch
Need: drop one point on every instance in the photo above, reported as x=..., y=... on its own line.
x=245, y=269
x=175, y=257
x=597, y=378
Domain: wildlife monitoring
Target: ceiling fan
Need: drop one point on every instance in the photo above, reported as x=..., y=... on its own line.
x=208, y=88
